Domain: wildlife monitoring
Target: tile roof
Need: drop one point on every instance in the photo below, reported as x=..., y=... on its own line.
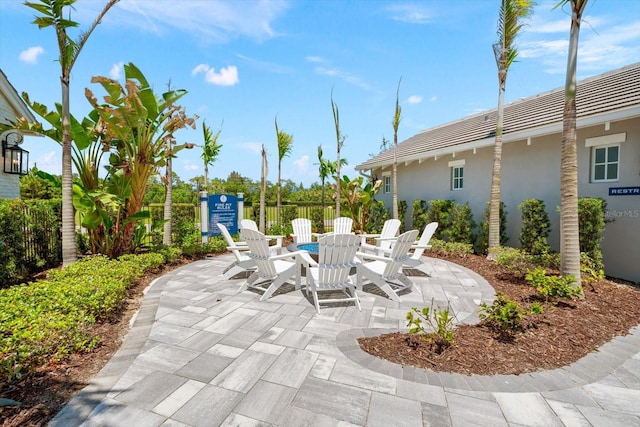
x=606, y=93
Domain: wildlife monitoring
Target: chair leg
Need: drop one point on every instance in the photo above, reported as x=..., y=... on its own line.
x=250, y=280
x=382, y=284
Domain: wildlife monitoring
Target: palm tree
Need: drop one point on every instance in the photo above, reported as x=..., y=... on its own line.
x=285, y=145
x=339, y=144
x=210, y=150
x=168, y=195
x=263, y=188
x=509, y=25
x=324, y=172
x=569, y=228
x=52, y=15
x=396, y=123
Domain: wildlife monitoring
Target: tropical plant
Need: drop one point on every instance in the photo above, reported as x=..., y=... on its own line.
x=394, y=174
x=511, y=14
x=359, y=197
x=569, y=223
x=138, y=129
x=285, y=145
x=210, y=150
x=340, y=137
x=263, y=188
x=52, y=14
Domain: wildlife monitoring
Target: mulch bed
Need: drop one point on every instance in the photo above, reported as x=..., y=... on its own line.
x=561, y=335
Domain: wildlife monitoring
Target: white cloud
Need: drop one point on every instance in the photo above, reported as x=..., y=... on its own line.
x=414, y=99
x=49, y=162
x=116, y=70
x=227, y=76
x=433, y=98
x=190, y=166
x=411, y=13
x=31, y=54
x=302, y=164
x=207, y=21
x=253, y=147
x=312, y=58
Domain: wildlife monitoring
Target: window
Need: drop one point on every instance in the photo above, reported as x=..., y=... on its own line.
x=606, y=161
x=457, y=174
x=605, y=156
x=457, y=178
x=387, y=183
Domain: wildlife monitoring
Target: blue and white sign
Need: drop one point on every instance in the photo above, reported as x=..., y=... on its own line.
x=624, y=191
x=223, y=209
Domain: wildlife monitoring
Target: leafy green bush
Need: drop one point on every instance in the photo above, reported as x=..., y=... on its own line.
x=462, y=224
x=439, y=321
x=590, y=270
x=503, y=315
x=402, y=213
x=482, y=243
x=317, y=219
x=553, y=286
x=46, y=320
x=536, y=227
x=440, y=211
x=514, y=261
x=378, y=214
x=451, y=248
x=419, y=215
x=591, y=213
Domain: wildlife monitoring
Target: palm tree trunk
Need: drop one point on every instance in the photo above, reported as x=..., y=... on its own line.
x=496, y=177
x=69, y=254
x=569, y=228
x=168, y=202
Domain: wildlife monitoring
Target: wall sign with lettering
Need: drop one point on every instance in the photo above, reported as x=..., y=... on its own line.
x=624, y=191
x=223, y=209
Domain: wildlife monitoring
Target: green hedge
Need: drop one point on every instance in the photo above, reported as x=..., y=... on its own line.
x=50, y=319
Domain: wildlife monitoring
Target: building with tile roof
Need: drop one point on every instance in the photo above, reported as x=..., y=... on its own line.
x=454, y=161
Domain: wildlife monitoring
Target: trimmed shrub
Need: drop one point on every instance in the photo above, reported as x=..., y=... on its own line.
x=317, y=219
x=462, y=224
x=514, y=261
x=419, y=214
x=591, y=213
x=402, y=213
x=482, y=242
x=450, y=248
x=536, y=227
x=440, y=211
x=378, y=214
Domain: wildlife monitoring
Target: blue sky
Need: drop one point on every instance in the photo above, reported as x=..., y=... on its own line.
x=245, y=62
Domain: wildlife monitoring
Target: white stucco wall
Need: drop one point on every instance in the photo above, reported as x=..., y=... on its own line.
x=9, y=185
x=533, y=171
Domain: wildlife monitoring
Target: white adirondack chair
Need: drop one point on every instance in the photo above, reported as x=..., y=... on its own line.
x=238, y=249
x=251, y=224
x=336, y=257
x=386, y=271
x=342, y=225
x=302, y=231
x=274, y=270
x=416, y=261
x=383, y=240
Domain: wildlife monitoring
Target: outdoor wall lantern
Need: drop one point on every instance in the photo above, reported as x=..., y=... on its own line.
x=16, y=160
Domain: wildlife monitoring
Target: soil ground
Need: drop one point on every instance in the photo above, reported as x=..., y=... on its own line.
x=560, y=336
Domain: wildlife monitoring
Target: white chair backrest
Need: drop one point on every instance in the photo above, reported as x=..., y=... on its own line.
x=259, y=252
x=301, y=230
x=248, y=223
x=399, y=254
x=336, y=254
x=389, y=229
x=342, y=225
x=426, y=236
x=231, y=244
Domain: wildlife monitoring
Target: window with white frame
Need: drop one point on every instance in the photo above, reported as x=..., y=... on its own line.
x=386, y=177
x=605, y=157
x=457, y=174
